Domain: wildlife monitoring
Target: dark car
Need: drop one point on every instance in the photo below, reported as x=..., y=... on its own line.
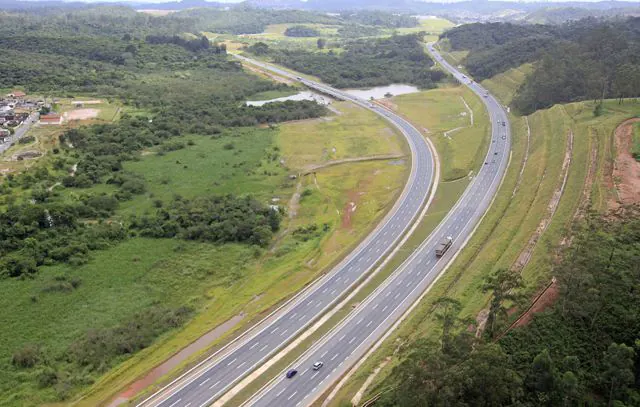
x=291, y=373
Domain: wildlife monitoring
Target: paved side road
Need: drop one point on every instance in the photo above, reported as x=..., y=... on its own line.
x=20, y=132
x=212, y=378
x=342, y=347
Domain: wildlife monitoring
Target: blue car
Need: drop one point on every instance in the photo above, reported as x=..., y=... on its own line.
x=291, y=373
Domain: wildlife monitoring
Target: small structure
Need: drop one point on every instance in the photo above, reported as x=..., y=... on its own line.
x=17, y=94
x=50, y=119
x=4, y=133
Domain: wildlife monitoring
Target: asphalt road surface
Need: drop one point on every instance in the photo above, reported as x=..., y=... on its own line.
x=342, y=347
x=211, y=379
x=20, y=132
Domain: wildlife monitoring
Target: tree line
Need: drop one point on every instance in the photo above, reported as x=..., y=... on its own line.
x=217, y=219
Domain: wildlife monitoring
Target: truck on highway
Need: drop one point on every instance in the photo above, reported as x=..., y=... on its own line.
x=443, y=246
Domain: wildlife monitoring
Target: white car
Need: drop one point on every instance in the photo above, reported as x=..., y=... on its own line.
x=317, y=365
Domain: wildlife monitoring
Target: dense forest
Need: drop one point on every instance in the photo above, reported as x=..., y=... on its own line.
x=370, y=62
x=117, y=21
x=585, y=350
x=586, y=59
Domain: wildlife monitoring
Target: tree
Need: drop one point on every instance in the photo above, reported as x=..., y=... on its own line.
x=321, y=43
x=503, y=284
x=447, y=310
x=486, y=378
x=542, y=379
x=259, y=48
x=619, y=363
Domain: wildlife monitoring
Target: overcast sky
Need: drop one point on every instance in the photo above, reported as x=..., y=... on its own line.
x=346, y=1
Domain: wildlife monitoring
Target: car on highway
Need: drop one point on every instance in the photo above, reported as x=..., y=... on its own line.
x=317, y=365
x=291, y=373
x=443, y=246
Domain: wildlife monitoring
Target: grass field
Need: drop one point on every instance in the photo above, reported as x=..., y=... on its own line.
x=430, y=25
x=262, y=278
x=442, y=113
x=337, y=137
x=514, y=216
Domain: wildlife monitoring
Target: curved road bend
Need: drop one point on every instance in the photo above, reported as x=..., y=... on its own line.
x=349, y=341
x=213, y=377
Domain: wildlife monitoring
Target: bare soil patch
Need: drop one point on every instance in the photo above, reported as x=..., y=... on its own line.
x=82, y=114
x=388, y=104
x=626, y=170
x=542, y=302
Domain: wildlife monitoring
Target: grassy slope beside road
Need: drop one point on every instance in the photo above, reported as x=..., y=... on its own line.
x=512, y=219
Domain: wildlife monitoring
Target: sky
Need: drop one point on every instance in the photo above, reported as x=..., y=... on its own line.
x=346, y=1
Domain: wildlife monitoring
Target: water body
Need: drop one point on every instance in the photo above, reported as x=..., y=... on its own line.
x=379, y=91
x=306, y=95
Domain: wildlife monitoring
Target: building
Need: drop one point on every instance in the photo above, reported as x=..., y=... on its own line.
x=4, y=133
x=50, y=119
x=17, y=94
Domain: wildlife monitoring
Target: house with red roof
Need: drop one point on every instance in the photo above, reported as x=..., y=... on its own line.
x=50, y=119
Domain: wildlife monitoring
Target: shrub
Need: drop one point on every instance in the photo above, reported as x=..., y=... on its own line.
x=26, y=357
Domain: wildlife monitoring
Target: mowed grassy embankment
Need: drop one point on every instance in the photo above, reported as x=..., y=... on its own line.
x=250, y=275
x=505, y=85
x=514, y=217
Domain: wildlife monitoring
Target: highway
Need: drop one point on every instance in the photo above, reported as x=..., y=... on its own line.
x=213, y=377
x=343, y=346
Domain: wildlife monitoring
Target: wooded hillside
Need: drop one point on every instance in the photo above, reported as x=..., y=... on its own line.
x=586, y=59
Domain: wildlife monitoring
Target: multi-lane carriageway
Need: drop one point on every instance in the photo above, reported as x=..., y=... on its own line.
x=346, y=343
